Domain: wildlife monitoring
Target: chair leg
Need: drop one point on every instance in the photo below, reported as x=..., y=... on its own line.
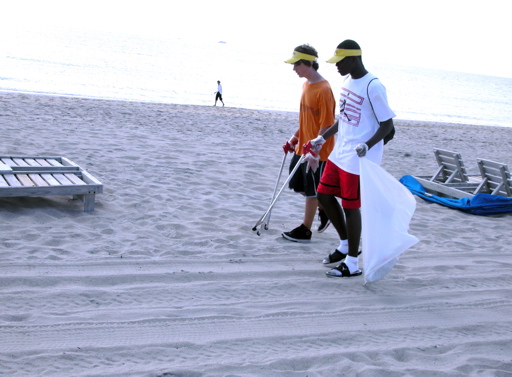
x=482, y=187
x=88, y=202
x=497, y=189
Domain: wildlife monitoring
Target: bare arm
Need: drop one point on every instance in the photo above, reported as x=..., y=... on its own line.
x=384, y=129
x=327, y=132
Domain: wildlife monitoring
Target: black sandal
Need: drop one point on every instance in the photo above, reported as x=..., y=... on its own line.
x=342, y=271
x=336, y=257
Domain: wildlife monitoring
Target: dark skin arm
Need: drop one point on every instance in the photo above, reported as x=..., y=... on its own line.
x=332, y=130
x=384, y=129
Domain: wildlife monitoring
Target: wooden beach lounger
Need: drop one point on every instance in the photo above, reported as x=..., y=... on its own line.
x=451, y=179
x=41, y=176
x=495, y=178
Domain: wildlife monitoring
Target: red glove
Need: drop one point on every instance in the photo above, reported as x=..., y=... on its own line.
x=289, y=146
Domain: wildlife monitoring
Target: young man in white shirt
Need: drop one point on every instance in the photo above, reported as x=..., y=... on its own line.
x=365, y=120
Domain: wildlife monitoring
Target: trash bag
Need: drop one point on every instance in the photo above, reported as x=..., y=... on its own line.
x=387, y=208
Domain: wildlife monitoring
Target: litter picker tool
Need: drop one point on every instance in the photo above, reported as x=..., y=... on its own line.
x=266, y=214
x=265, y=225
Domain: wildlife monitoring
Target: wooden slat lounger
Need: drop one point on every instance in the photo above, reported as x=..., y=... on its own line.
x=451, y=178
x=496, y=178
x=41, y=176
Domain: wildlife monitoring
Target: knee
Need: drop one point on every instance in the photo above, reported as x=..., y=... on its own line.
x=352, y=213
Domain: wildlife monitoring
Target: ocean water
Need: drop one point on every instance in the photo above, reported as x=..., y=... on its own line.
x=170, y=70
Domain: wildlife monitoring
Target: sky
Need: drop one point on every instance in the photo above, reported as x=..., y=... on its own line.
x=455, y=35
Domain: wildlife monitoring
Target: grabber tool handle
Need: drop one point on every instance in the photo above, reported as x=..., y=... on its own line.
x=262, y=218
x=275, y=188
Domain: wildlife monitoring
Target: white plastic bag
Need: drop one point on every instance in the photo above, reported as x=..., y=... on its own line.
x=387, y=208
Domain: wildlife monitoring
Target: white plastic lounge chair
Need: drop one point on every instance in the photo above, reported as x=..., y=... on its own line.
x=495, y=178
x=451, y=167
x=40, y=176
x=451, y=178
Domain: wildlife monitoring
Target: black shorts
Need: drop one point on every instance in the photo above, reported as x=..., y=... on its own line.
x=218, y=96
x=302, y=182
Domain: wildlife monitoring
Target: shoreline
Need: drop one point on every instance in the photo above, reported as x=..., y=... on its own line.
x=397, y=120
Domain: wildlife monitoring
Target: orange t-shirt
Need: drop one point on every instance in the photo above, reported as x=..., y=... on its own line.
x=317, y=107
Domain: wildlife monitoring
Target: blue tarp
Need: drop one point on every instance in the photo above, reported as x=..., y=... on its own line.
x=480, y=204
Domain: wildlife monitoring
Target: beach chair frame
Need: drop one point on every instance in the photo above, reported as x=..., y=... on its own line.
x=495, y=178
x=451, y=178
x=47, y=175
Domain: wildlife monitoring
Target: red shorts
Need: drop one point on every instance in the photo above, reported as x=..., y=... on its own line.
x=342, y=184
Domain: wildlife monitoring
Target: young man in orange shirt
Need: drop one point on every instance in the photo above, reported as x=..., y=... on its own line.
x=317, y=114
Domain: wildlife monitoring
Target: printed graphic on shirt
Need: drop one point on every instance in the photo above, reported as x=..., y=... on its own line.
x=312, y=110
x=350, y=107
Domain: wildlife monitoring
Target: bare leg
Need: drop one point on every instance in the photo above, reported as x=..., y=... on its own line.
x=334, y=212
x=353, y=230
x=310, y=211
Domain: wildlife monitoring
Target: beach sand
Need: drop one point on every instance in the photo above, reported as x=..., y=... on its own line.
x=166, y=277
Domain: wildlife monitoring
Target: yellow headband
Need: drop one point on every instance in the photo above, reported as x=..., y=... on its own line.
x=341, y=54
x=300, y=56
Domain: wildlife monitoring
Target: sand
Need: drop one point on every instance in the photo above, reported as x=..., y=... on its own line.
x=166, y=278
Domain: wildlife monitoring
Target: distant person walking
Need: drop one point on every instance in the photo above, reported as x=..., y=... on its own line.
x=218, y=94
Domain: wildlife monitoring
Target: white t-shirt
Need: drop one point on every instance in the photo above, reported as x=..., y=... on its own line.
x=357, y=122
